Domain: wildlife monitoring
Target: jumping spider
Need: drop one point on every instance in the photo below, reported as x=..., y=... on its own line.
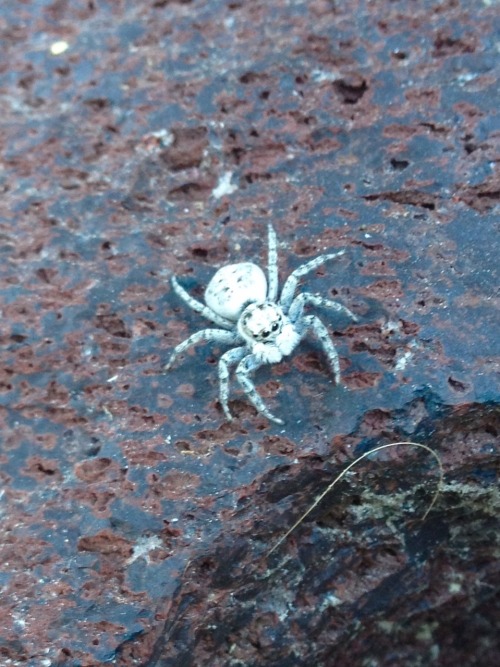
x=263, y=328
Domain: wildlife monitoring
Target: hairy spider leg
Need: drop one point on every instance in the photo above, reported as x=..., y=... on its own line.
x=313, y=323
x=217, y=335
x=248, y=365
x=199, y=307
x=272, y=265
x=297, y=306
x=228, y=359
x=292, y=281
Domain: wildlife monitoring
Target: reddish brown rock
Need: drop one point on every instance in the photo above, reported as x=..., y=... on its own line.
x=140, y=140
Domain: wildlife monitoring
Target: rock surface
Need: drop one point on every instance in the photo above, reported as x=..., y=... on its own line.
x=141, y=140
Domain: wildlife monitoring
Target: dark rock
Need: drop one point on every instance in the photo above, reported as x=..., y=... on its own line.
x=137, y=523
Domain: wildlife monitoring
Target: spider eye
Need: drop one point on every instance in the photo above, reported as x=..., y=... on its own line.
x=265, y=334
x=275, y=326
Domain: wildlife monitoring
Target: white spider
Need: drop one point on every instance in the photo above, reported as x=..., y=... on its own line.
x=264, y=329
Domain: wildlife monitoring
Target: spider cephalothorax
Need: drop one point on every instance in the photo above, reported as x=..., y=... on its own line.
x=260, y=327
x=267, y=331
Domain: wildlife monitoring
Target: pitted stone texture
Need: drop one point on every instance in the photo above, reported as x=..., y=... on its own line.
x=163, y=139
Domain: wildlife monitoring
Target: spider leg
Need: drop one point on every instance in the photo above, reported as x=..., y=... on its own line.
x=293, y=279
x=246, y=366
x=272, y=265
x=217, y=335
x=228, y=359
x=311, y=322
x=297, y=305
x=199, y=307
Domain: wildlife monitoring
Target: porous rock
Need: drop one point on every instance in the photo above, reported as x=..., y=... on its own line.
x=145, y=139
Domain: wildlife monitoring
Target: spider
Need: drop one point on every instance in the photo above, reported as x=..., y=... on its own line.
x=260, y=327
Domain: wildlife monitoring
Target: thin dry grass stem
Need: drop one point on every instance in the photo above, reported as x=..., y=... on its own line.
x=346, y=470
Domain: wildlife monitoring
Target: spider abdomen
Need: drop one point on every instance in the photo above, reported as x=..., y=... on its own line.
x=233, y=287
